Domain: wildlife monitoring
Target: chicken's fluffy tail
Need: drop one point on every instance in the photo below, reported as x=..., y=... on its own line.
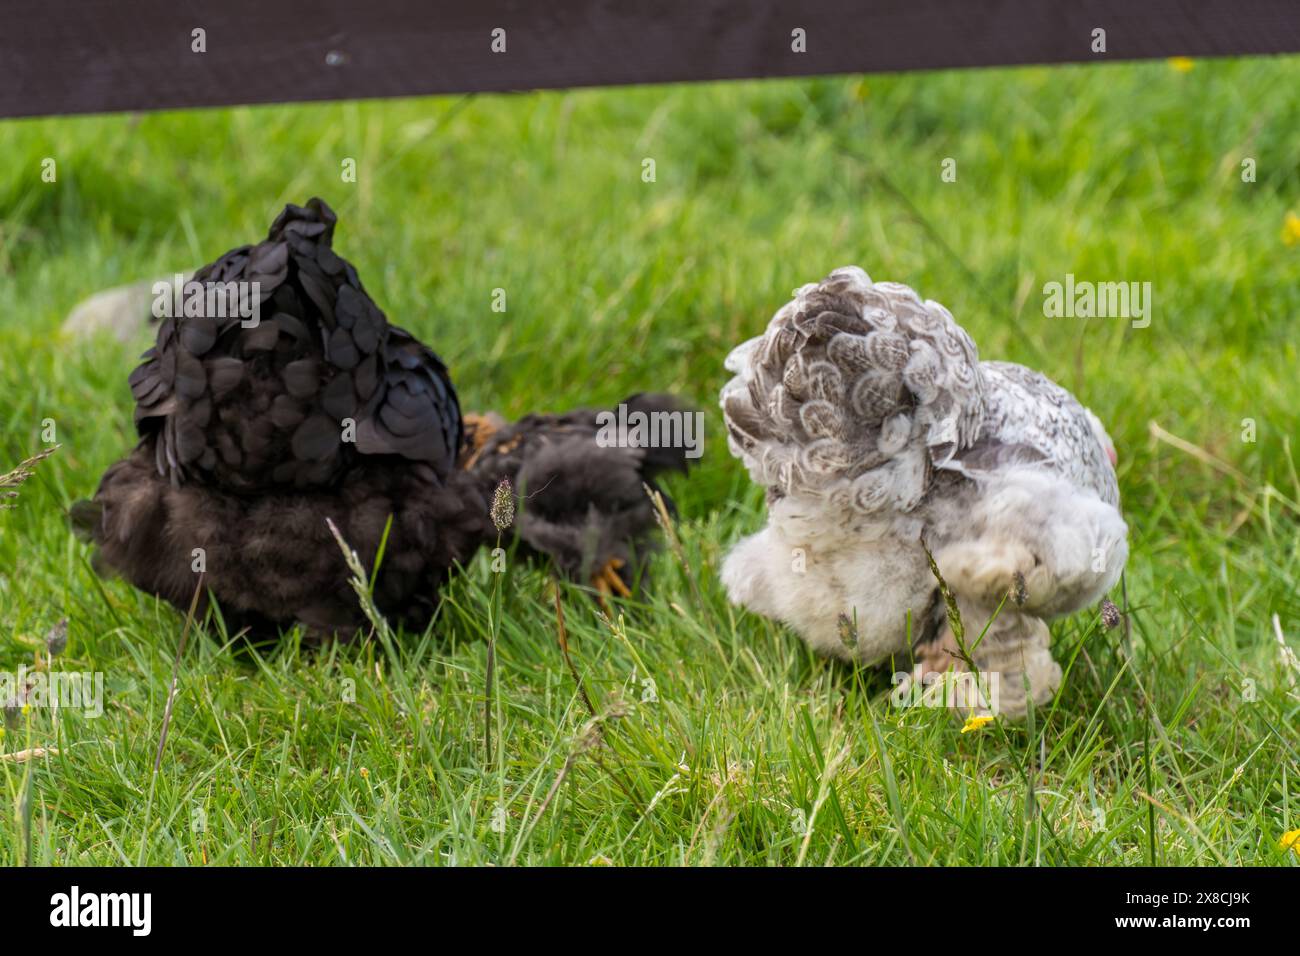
x=854, y=393
x=580, y=479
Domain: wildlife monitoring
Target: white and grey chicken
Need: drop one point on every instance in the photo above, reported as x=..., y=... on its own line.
x=867, y=415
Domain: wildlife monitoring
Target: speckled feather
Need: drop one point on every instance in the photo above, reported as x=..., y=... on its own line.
x=855, y=393
x=1028, y=418
x=862, y=394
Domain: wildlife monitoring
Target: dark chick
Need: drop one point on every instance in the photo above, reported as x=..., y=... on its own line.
x=252, y=434
x=581, y=500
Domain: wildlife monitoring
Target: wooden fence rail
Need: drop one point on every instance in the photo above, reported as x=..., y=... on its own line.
x=83, y=56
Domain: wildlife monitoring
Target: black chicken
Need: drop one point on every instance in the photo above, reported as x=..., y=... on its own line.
x=253, y=433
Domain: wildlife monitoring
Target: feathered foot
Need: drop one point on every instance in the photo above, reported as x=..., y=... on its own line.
x=936, y=656
x=1014, y=652
x=1018, y=653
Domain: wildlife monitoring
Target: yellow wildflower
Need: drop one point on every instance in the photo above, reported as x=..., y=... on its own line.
x=1182, y=64
x=1290, y=841
x=976, y=722
x=365, y=774
x=1291, y=229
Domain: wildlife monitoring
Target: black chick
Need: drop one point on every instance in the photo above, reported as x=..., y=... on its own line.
x=582, y=500
x=252, y=435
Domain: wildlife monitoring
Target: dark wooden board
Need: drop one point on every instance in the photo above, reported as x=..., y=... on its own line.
x=79, y=56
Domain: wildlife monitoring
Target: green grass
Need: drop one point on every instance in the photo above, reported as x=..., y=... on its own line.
x=749, y=750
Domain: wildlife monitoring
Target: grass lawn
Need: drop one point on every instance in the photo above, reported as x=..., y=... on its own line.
x=717, y=737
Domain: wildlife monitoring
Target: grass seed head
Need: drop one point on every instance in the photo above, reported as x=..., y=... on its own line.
x=502, y=511
x=1110, y=617
x=57, y=638
x=1019, y=592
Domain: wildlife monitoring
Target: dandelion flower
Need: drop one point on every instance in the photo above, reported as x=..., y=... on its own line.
x=976, y=722
x=1290, y=841
x=1182, y=64
x=1291, y=229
